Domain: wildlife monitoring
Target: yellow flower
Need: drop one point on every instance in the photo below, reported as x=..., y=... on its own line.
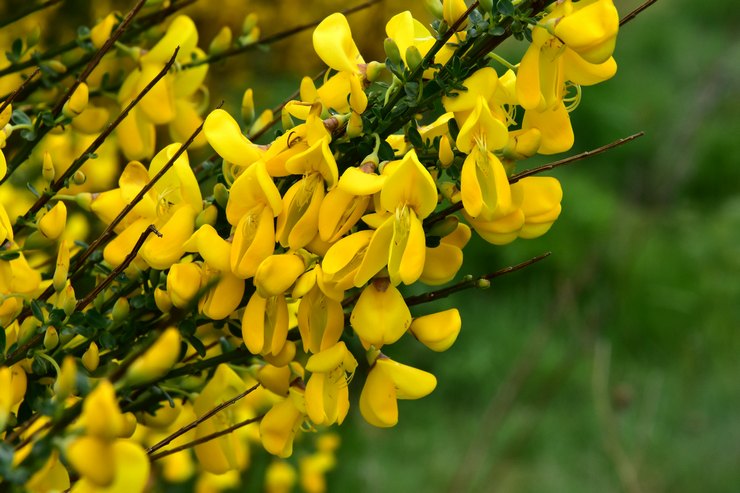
x=222, y=299
x=409, y=195
x=320, y=319
x=52, y=223
x=387, y=382
x=277, y=273
x=444, y=261
x=183, y=283
x=573, y=42
x=437, y=331
x=380, y=315
x=327, y=394
x=230, y=451
x=281, y=423
x=265, y=324
x=157, y=360
x=13, y=383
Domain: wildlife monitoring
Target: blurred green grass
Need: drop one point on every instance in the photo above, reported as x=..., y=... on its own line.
x=645, y=269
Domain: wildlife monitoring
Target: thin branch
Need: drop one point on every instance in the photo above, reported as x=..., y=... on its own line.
x=140, y=25
x=20, y=14
x=98, y=56
x=572, y=159
x=206, y=438
x=82, y=159
x=470, y=283
x=236, y=50
x=130, y=206
x=428, y=58
x=636, y=12
x=20, y=88
x=440, y=215
x=199, y=420
x=118, y=270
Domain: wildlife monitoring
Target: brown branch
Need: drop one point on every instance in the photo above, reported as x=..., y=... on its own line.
x=271, y=39
x=82, y=159
x=20, y=88
x=428, y=58
x=199, y=420
x=118, y=270
x=470, y=283
x=636, y=12
x=206, y=438
x=572, y=159
x=130, y=206
x=98, y=56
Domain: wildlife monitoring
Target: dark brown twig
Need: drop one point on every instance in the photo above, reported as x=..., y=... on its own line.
x=572, y=159
x=15, y=93
x=636, y=12
x=98, y=56
x=199, y=420
x=471, y=283
x=130, y=206
x=118, y=270
x=82, y=159
x=206, y=438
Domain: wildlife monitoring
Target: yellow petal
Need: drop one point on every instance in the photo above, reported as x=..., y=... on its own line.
x=410, y=382
x=380, y=315
x=412, y=185
x=223, y=298
x=378, y=399
x=279, y=426
x=277, y=273
x=254, y=241
x=178, y=185
x=437, y=331
x=215, y=250
x=332, y=41
x=554, y=125
x=226, y=138
x=161, y=252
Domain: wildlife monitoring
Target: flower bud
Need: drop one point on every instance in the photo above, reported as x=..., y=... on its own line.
x=66, y=299
x=66, y=379
x=392, y=52
x=434, y=7
x=51, y=338
x=413, y=57
x=56, y=66
x=91, y=358
x=47, y=168
x=52, y=224
x=120, y=310
x=183, y=283
x=162, y=300
x=446, y=155
x=373, y=70
x=79, y=178
x=100, y=33
x=5, y=116
x=221, y=194
x=62, y=267
x=221, y=42
x=157, y=360
x=250, y=22
x=28, y=329
x=248, y=107
x=209, y=215
x=77, y=101
x=482, y=284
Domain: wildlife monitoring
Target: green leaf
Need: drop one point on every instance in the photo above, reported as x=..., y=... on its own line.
x=36, y=310
x=505, y=7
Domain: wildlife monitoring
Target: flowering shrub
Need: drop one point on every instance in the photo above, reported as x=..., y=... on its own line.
x=152, y=314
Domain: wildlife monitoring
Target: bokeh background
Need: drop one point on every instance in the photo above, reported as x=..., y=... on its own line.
x=613, y=365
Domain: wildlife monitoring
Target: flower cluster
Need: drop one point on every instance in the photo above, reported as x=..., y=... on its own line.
x=267, y=282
